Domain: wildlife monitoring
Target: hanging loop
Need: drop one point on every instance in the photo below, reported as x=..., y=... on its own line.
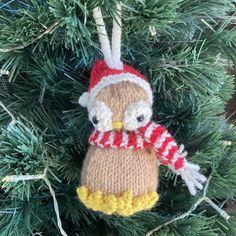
x=116, y=39
x=111, y=52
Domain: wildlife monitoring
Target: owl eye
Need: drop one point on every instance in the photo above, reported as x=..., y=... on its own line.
x=95, y=120
x=137, y=115
x=140, y=118
x=101, y=116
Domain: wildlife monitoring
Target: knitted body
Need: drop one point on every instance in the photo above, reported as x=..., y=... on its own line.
x=122, y=163
x=125, y=180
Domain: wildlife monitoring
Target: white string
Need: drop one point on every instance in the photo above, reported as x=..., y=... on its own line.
x=116, y=39
x=223, y=213
x=16, y=178
x=56, y=208
x=103, y=37
x=2, y=212
x=13, y=119
x=4, y=72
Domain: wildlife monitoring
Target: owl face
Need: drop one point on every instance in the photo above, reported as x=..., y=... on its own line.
x=123, y=106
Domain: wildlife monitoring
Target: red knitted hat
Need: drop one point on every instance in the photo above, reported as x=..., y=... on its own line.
x=103, y=76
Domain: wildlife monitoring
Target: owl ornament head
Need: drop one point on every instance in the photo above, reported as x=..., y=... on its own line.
x=120, y=170
x=117, y=98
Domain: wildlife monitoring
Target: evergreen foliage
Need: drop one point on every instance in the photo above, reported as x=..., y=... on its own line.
x=49, y=48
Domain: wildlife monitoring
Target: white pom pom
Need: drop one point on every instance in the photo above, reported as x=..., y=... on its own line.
x=83, y=99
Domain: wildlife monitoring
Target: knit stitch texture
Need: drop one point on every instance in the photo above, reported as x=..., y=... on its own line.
x=151, y=136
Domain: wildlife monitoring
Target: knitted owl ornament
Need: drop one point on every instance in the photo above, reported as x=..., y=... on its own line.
x=120, y=170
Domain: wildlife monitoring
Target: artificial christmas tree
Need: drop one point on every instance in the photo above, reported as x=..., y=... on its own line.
x=47, y=49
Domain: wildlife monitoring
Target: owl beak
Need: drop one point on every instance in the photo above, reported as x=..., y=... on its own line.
x=117, y=125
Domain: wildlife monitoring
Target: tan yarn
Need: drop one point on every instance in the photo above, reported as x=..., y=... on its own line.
x=118, y=96
x=115, y=171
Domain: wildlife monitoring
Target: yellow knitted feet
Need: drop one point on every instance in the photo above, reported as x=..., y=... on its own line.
x=124, y=205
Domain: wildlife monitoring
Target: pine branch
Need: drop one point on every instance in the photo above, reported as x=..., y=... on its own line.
x=182, y=47
x=193, y=207
x=41, y=35
x=15, y=178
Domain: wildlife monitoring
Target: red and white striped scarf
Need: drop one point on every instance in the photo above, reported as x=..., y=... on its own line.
x=152, y=135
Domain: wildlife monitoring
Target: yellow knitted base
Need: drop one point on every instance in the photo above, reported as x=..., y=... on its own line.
x=124, y=205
